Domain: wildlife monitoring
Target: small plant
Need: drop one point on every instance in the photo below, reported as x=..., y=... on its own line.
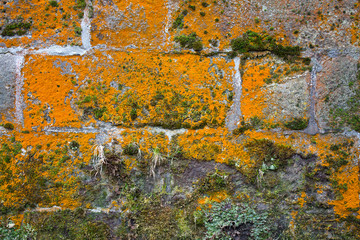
x=99, y=158
x=74, y=145
x=9, y=126
x=156, y=160
x=257, y=20
x=202, y=14
x=192, y=7
x=53, y=3
x=80, y=5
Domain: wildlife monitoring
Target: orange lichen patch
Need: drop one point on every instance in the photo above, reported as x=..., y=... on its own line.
x=301, y=200
x=147, y=144
x=172, y=91
x=345, y=179
x=216, y=22
x=41, y=169
x=132, y=22
x=17, y=219
x=49, y=85
x=214, y=144
x=213, y=197
x=349, y=202
x=49, y=24
x=253, y=88
x=261, y=97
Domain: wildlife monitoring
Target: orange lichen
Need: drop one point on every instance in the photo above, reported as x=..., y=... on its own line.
x=133, y=22
x=50, y=83
x=41, y=169
x=49, y=24
x=150, y=89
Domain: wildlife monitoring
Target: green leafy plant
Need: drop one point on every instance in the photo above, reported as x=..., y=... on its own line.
x=74, y=145
x=23, y=233
x=225, y=220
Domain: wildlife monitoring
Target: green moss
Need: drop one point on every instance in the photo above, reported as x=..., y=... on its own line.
x=190, y=41
x=78, y=30
x=253, y=123
x=204, y=4
x=16, y=29
x=53, y=3
x=9, y=126
x=297, y=124
x=179, y=22
x=252, y=41
x=80, y=5
x=99, y=112
x=67, y=225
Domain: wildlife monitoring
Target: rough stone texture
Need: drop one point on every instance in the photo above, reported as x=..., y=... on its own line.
x=138, y=134
x=333, y=86
x=7, y=85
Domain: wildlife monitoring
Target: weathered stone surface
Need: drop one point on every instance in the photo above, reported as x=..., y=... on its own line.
x=8, y=72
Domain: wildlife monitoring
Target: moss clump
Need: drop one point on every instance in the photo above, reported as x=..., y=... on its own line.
x=53, y=3
x=190, y=41
x=254, y=123
x=16, y=29
x=9, y=126
x=78, y=31
x=252, y=41
x=99, y=112
x=179, y=22
x=156, y=222
x=80, y=5
x=204, y=4
x=297, y=124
